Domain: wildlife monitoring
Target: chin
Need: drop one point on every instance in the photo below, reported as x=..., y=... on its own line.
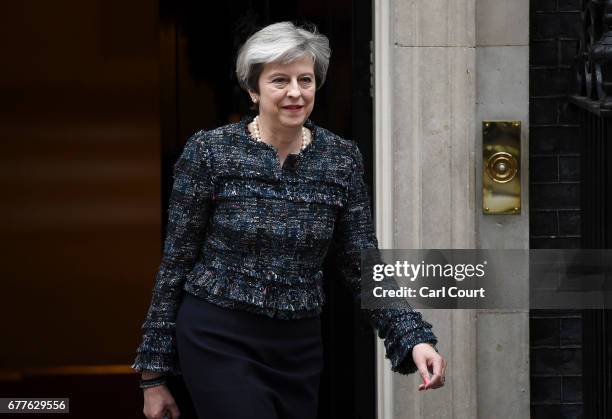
x=296, y=121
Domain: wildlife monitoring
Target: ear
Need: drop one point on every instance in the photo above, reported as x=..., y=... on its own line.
x=254, y=96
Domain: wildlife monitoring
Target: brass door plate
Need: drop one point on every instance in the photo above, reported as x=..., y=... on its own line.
x=501, y=167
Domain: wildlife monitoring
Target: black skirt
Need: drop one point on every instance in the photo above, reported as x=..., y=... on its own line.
x=240, y=365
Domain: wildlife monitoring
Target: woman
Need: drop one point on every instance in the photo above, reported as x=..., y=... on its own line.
x=255, y=207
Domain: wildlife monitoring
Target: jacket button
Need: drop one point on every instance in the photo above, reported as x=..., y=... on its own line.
x=271, y=275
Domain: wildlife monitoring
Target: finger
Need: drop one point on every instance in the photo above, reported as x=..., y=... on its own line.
x=443, y=377
x=422, y=367
x=174, y=412
x=436, y=379
x=438, y=365
x=444, y=363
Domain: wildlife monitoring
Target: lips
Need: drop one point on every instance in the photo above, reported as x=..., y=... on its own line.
x=293, y=108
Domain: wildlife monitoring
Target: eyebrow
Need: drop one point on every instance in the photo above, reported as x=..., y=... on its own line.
x=276, y=74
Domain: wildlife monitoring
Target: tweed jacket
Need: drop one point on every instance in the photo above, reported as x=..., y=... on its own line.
x=245, y=233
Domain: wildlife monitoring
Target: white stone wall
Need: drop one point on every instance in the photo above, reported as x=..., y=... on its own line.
x=450, y=65
x=502, y=92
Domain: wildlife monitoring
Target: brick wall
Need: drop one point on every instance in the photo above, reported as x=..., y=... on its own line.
x=556, y=355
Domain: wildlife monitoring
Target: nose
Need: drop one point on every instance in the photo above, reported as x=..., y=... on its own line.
x=294, y=89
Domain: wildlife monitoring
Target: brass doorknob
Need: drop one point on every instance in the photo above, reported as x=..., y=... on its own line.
x=502, y=167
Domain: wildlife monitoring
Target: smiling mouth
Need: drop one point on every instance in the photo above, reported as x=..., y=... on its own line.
x=293, y=107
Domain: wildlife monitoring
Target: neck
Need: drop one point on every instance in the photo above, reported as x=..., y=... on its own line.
x=279, y=136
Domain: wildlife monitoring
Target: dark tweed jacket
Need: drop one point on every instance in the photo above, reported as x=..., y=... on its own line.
x=244, y=233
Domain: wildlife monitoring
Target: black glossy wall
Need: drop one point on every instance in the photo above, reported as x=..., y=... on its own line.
x=556, y=353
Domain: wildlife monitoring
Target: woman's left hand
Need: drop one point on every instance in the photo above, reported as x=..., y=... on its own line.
x=428, y=360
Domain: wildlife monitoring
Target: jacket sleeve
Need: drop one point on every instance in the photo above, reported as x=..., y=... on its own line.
x=188, y=212
x=401, y=328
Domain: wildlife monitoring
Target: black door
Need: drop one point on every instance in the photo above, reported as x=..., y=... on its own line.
x=199, y=41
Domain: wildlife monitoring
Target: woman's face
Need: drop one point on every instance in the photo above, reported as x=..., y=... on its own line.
x=286, y=93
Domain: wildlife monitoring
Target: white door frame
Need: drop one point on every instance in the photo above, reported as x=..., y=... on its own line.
x=383, y=175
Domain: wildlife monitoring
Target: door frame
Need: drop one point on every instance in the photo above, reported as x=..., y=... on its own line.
x=383, y=176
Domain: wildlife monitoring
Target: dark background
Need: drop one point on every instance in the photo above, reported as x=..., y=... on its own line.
x=98, y=99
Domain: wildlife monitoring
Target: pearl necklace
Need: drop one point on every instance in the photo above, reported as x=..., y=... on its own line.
x=257, y=135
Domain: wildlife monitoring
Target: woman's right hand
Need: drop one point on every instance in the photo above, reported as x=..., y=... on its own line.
x=159, y=403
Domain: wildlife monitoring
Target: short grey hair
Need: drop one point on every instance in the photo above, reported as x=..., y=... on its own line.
x=281, y=42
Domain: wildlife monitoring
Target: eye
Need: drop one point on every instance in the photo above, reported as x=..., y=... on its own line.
x=278, y=80
x=307, y=80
